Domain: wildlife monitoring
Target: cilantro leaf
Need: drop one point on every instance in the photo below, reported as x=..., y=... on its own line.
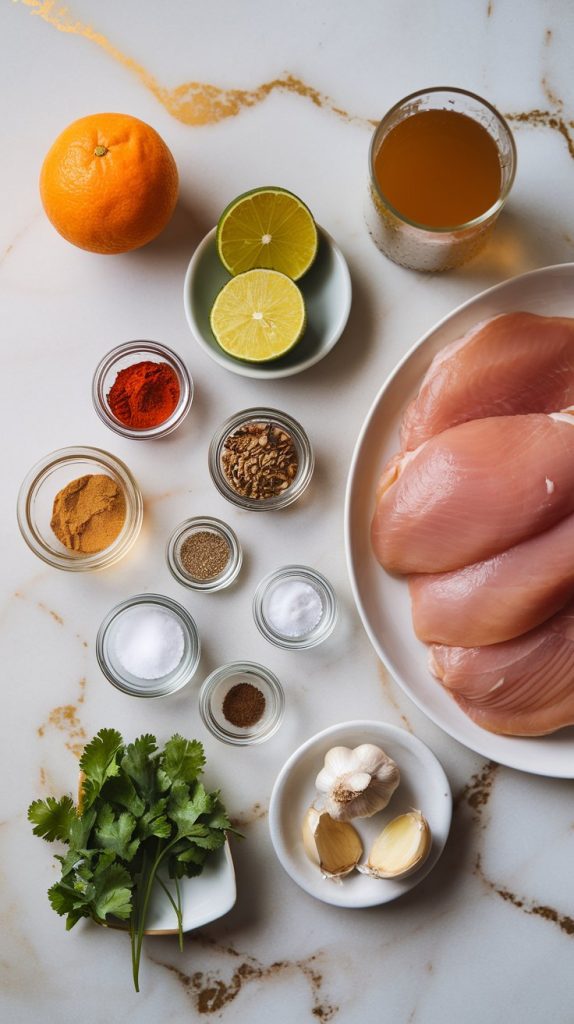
x=219, y=817
x=182, y=760
x=52, y=818
x=80, y=829
x=154, y=822
x=139, y=765
x=121, y=790
x=65, y=901
x=113, y=892
x=115, y=832
x=99, y=762
x=184, y=809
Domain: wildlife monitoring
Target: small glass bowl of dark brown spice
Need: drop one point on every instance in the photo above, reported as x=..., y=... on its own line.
x=142, y=389
x=80, y=509
x=261, y=459
x=204, y=554
x=242, y=703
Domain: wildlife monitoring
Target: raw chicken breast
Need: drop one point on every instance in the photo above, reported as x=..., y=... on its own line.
x=473, y=491
x=500, y=598
x=524, y=687
x=514, y=363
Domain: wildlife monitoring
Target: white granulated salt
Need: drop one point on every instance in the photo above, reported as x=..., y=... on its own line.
x=294, y=608
x=148, y=642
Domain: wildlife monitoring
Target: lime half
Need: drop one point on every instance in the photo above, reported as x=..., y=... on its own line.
x=270, y=228
x=258, y=315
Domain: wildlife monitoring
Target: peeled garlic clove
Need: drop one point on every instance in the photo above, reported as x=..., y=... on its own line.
x=401, y=848
x=334, y=846
x=357, y=783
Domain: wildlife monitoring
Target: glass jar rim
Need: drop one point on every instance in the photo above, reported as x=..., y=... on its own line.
x=475, y=221
x=298, y=435
x=222, y=673
x=187, y=623
x=213, y=525
x=125, y=349
x=35, y=478
x=326, y=624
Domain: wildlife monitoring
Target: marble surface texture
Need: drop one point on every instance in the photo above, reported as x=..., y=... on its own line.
x=489, y=935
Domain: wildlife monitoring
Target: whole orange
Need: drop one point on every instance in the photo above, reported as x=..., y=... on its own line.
x=109, y=183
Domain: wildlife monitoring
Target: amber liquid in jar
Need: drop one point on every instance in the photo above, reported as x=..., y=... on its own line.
x=439, y=168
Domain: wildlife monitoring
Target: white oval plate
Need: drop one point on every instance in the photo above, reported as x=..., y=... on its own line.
x=423, y=785
x=383, y=602
x=326, y=288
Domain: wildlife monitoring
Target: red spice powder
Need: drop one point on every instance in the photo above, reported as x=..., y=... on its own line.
x=144, y=395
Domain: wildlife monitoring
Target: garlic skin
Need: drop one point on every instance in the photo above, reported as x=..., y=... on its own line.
x=334, y=846
x=402, y=847
x=357, y=783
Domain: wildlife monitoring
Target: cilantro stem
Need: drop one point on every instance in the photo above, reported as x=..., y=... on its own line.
x=179, y=914
x=176, y=907
x=148, y=883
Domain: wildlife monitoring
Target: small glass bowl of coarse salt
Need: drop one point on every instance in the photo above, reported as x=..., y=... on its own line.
x=148, y=646
x=295, y=607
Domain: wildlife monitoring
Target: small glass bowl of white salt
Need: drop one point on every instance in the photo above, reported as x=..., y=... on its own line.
x=148, y=646
x=295, y=607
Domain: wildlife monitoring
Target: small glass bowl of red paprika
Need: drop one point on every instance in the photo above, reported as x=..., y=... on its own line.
x=142, y=389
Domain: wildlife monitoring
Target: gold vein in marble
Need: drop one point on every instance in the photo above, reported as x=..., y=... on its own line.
x=546, y=119
x=526, y=905
x=65, y=718
x=210, y=993
x=192, y=103
x=476, y=794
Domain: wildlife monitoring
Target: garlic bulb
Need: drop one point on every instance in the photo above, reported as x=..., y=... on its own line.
x=357, y=783
x=334, y=845
x=401, y=848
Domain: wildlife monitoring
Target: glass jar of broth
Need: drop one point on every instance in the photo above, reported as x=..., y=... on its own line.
x=441, y=165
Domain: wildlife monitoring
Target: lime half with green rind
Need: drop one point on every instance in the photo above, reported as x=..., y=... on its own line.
x=269, y=228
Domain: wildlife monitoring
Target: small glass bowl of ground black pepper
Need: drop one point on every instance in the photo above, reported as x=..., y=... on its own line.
x=80, y=509
x=295, y=607
x=204, y=554
x=142, y=389
x=261, y=459
x=242, y=703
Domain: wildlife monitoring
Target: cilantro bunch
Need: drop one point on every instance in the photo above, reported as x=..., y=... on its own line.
x=138, y=810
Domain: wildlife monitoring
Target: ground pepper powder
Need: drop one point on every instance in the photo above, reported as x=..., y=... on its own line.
x=204, y=554
x=243, y=705
x=144, y=395
x=89, y=513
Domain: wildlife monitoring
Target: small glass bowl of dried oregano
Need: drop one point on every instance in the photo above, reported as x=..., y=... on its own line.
x=261, y=459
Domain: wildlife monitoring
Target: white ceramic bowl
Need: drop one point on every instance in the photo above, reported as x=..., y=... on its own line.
x=326, y=289
x=423, y=785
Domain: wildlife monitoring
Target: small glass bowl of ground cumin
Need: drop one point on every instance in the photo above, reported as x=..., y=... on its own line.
x=261, y=459
x=80, y=509
x=242, y=703
x=142, y=389
x=204, y=554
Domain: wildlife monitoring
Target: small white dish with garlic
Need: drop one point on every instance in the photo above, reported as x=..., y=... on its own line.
x=423, y=787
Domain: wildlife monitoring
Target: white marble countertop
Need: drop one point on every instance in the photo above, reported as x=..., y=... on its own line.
x=488, y=935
